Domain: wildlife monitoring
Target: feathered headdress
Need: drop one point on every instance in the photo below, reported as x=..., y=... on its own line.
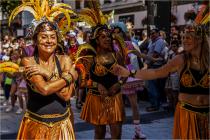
x=94, y=16
x=203, y=16
x=44, y=10
x=202, y=20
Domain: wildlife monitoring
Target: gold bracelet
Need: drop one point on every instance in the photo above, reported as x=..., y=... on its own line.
x=67, y=77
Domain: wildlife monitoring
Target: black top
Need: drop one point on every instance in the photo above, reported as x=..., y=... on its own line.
x=40, y=104
x=194, y=82
x=107, y=79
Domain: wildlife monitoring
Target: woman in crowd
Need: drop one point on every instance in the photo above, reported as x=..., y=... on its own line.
x=132, y=85
x=104, y=105
x=192, y=111
x=17, y=85
x=49, y=79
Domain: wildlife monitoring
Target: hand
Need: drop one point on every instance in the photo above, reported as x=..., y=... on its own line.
x=37, y=70
x=66, y=92
x=103, y=91
x=120, y=71
x=114, y=89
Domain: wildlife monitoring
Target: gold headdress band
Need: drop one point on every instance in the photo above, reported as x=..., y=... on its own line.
x=43, y=12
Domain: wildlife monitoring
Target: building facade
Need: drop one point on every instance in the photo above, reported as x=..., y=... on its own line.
x=133, y=11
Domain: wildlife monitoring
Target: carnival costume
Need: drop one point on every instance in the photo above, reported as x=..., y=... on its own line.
x=132, y=85
x=190, y=121
x=47, y=117
x=192, y=81
x=100, y=110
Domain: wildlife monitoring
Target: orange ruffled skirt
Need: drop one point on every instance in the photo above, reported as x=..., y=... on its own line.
x=190, y=125
x=30, y=129
x=99, y=110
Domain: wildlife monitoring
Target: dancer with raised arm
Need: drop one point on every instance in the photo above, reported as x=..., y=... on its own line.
x=192, y=111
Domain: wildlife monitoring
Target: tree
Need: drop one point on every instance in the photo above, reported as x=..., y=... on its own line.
x=7, y=6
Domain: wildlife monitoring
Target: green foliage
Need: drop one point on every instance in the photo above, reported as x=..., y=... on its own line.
x=8, y=5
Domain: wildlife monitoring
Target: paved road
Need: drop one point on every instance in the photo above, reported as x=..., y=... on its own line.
x=156, y=125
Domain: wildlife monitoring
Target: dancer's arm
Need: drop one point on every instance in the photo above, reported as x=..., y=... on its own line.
x=66, y=92
x=149, y=74
x=43, y=87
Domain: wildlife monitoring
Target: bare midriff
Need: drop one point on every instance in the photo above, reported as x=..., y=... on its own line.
x=195, y=99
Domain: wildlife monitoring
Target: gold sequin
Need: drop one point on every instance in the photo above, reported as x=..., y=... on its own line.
x=186, y=80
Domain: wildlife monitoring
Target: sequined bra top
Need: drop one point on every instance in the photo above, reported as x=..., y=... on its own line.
x=50, y=104
x=100, y=73
x=194, y=82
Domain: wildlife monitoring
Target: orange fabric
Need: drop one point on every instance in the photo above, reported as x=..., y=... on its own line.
x=30, y=129
x=98, y=111
x=82, y=74
x=190, y=125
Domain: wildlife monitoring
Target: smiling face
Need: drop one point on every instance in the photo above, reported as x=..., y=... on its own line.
x=104, y=40
x=188, y=42
x=47, y=41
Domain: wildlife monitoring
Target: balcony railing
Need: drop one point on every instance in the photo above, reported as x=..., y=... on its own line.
x=121, y=4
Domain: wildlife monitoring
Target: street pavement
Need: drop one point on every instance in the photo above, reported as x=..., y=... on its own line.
x=156, y=125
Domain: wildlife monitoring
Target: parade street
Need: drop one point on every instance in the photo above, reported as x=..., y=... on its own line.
x=156, y=125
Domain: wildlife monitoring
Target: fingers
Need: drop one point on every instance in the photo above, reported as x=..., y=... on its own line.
x=116, y=69
x=31, y=70
x=32, y=73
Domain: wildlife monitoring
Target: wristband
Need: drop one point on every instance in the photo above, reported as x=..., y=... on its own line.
x=67, y=81
x=132, y=73
x=67, y=77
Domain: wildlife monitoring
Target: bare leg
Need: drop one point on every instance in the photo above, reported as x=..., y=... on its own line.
x=116, y=130
x=136, y=116
x=12, y=94
x=100, y=131
x=13, y=97
x=134, y=105
x=20, y=98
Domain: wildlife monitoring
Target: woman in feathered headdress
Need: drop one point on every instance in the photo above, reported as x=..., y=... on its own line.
x=49, y=76
x=103, y=105
x=191, y=119
x=132, y=85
